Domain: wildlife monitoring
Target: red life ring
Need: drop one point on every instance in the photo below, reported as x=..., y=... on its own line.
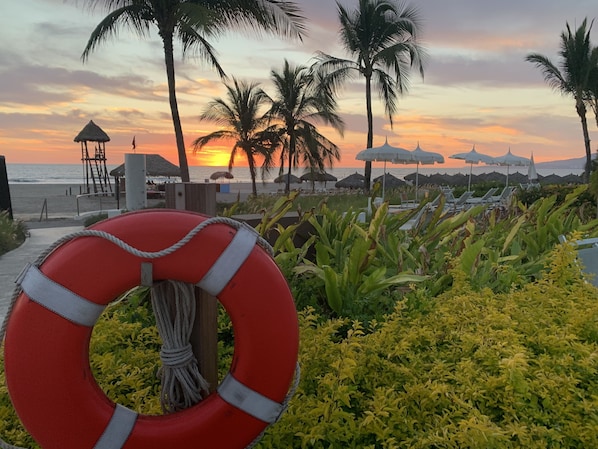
x=46, y=352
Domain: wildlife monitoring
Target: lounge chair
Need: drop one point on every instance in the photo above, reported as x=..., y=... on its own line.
x=587, y=252
x=504, y=196
x=484, y=198
x=416, y=219
x=529, y=186
x=446, y=191
x=458, y=203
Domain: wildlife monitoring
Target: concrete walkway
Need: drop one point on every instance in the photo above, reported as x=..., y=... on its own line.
x=14, y=261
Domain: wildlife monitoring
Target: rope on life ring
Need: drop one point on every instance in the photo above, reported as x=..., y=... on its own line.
x=65, y=408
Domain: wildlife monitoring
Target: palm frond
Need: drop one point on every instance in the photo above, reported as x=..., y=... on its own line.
x=336, y=71
x=388, y=91
x=129, y=16
x=193, y=41
x=552, y=75
x=272, y=16
x=202, y=141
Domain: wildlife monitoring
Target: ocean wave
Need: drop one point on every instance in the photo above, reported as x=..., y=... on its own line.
x=27, y=180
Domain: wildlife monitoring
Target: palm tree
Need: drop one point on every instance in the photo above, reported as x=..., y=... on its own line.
x=245, y=124
x=193, y=22
x=381, y=36
x=300, y=100
x=578, y=60
x=592, y=94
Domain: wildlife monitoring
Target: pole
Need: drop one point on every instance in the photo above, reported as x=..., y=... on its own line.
x=204, y=336
x=5, y=203
x=470, y=171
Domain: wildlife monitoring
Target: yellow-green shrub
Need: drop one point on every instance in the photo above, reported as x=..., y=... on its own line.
x=476, y=370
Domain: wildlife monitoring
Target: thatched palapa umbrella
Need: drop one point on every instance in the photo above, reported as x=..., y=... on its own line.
x=572, y=179
x=221, y=174
x=283, y=179
x=492, y=177
x=354, y=181
x=390, y=180
x=422, y=178
x=313, y=177
x=551, y=179
x=318, y=176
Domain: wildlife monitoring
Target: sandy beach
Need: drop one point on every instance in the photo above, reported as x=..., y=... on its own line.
x=35, y=202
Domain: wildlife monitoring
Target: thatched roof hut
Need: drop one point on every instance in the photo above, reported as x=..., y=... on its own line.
x=155, y=165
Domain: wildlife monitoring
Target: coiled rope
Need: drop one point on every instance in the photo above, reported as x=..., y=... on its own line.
x=182, y=384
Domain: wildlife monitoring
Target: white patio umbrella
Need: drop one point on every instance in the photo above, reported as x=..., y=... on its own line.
x=532, y=175
x=473, y=157
x=385, y=153
x=419, y=156
x=509, y=159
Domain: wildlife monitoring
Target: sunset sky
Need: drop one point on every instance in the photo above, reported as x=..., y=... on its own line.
x=477, y=88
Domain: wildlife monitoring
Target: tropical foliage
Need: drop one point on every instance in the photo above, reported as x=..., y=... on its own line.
x=301, y=100
x=382, y=38
x=359, y=271
x=193, y=22
x=467, y=369
x=243, y=121
x=575, y=75
x=12, y=233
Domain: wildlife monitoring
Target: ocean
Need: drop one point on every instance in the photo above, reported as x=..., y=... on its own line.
x=74, y=173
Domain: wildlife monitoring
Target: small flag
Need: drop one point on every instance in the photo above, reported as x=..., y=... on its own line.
x=133, y=143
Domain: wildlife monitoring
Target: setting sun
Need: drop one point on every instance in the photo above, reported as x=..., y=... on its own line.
x=214, y=156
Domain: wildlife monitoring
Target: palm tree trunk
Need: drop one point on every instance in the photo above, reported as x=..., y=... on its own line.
x=292, y=144
x=370, y=138
x=176, y=119
x=581, y=111
x=252, y=173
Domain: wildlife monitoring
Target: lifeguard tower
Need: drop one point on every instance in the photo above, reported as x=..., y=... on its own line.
x=94, y=166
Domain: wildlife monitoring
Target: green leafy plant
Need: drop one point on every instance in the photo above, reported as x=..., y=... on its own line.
x=12, y=233
x=349, y=268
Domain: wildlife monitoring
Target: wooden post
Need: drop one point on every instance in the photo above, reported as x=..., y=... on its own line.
x=5, y=203
x=204, y=337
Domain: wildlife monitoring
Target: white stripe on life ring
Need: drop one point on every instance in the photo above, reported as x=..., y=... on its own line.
x=229, y=261
x=118, y=429
x=248, y=400
x=57, y=298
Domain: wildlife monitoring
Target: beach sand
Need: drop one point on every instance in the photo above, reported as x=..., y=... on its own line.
x=35, y=202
